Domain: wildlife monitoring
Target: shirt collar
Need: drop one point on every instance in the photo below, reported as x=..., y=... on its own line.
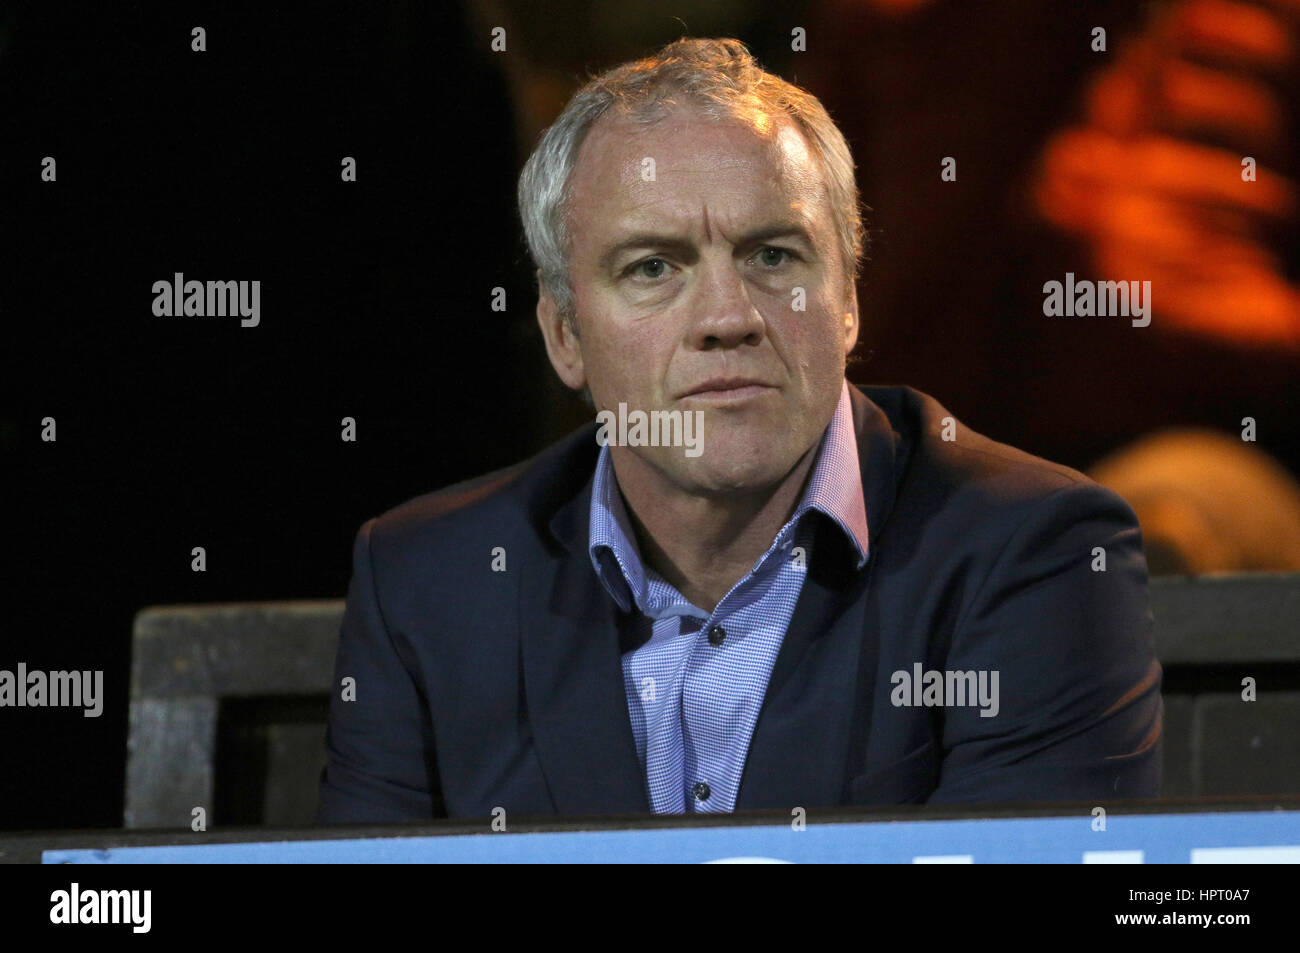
x=834, y=489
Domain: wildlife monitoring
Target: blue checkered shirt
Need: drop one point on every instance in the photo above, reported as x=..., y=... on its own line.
x=694, y=704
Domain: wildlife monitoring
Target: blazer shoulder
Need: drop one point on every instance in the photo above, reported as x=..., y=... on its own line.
x=469, y=501
x=497, y=506
x=949, y=460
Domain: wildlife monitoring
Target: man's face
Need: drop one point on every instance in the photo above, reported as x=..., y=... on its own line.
x=712, y=265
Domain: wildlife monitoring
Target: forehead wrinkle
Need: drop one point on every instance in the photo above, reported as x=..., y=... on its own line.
x=788, y=178
x=787, y=191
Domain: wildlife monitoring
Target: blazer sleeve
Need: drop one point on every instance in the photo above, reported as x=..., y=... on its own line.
x=380, y=762
x=1079, y=709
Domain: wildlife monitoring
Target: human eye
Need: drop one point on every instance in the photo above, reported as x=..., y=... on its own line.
x=650, y=269
x=773, y=257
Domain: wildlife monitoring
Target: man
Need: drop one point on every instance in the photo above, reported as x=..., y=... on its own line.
x=807, y=595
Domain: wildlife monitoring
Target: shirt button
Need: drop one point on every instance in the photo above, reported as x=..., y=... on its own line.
x=716, y=634
x=701, y=791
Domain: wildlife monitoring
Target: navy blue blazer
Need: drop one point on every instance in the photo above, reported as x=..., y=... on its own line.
x=476, y=689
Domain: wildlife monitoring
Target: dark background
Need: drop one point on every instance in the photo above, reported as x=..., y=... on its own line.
x=225, y=165
x=180, y=432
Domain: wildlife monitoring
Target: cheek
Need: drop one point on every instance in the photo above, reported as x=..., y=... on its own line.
x=817, y=331
x=834, y=314
x=625, y=360
x=814, y=346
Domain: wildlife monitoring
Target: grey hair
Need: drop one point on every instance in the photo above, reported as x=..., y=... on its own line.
x=717, y=78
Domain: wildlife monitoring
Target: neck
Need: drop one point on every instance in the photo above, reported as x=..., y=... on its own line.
x=703, y=544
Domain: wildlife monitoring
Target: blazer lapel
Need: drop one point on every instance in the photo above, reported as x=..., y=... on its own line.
x=573, y=678
x=821, y=689
x=797, y=754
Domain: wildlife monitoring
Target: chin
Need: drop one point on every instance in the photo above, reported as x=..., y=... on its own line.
x=738, y=474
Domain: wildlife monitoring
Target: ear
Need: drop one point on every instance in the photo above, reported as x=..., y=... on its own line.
x=851, y=320
x=562, y=345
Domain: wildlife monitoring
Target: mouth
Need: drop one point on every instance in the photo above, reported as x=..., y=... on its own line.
x=728, y=390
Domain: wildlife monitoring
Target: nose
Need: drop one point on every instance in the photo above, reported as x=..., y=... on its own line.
x=724, y=317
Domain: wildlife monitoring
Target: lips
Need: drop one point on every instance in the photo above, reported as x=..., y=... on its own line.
x=724, y=384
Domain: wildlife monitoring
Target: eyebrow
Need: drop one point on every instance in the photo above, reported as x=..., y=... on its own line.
x=681, y=245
